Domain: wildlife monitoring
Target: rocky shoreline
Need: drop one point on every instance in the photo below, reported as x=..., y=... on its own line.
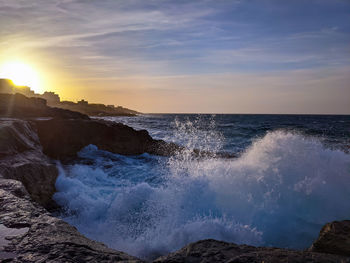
x=29, y=149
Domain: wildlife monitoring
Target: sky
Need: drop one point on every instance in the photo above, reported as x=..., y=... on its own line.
x=205, y=56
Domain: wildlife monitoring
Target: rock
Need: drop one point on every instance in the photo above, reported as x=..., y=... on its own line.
x=27, y=174
x=22, y=159
x=20, y=106
x=62, y=139
x=45, y=238
x=218, y=251
x=25, y=146
x=334, y=238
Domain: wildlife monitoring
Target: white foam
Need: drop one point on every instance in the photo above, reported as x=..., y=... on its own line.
x=279, y=192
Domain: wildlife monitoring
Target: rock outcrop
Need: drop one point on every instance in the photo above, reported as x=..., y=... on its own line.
x=218, y=251
x=27, y=183
x=22, y=159
x=67, y=132
x=20, y=106
x=62, y=139
x=334, y=238
x=28, y=148
x=44, y=238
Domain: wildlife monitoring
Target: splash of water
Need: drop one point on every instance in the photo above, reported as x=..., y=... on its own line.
x=279, y=192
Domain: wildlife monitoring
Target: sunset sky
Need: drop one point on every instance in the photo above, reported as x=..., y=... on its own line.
x=209, y=56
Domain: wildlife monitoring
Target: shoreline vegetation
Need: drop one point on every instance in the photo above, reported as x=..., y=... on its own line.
x=35, y=136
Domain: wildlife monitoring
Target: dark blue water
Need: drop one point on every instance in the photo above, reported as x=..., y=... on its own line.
x=239, y=130
x=291, y=177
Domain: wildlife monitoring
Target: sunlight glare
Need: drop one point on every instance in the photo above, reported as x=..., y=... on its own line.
x=21, y=74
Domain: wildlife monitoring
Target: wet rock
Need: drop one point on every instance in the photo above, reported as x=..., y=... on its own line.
x=22, y=159
x=46, y=238
x=67, y=132
x=6, y=234
x=62, y=139
x=334, y=238
x=218, y=251
x=27, y=175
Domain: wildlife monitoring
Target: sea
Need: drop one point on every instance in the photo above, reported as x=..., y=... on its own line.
x=290, y=177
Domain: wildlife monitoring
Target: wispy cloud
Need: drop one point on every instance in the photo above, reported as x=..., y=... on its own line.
x=115, y=39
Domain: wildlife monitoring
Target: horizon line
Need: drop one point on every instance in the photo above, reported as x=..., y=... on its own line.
x=193, y=113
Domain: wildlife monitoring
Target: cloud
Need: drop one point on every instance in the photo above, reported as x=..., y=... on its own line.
x=112, y=41
x=186, y=34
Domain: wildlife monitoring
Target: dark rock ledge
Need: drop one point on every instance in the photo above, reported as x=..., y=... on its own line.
x=334, y=238
x=48, y=239
x=217, y=251
x=27, y=182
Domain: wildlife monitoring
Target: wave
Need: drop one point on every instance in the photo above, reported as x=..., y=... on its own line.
x=279, y=192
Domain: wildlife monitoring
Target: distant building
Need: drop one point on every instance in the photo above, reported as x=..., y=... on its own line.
x=6, y=86
x=26, y=91
x=51, y=97
x=83, y=102
x=69, y=103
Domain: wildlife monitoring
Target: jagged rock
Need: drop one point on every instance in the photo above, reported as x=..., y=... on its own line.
x=62, y=139
x=22, y=159
x=68, y=132
x=217, y=251
x=334, y=238
x=23, y=145
x=20, y=106
x=45, y=238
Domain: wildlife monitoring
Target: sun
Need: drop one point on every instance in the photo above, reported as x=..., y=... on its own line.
x=21, y=74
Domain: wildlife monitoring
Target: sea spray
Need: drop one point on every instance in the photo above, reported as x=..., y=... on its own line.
x=279, y=192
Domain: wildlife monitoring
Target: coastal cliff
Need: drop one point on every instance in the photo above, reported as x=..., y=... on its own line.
x=29, y=149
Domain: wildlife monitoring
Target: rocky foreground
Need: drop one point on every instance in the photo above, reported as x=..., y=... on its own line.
x=29, y=149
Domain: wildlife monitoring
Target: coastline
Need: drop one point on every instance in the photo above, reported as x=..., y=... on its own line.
x=28, y=153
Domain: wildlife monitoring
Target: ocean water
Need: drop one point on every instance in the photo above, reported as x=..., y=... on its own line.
x=291, y=176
